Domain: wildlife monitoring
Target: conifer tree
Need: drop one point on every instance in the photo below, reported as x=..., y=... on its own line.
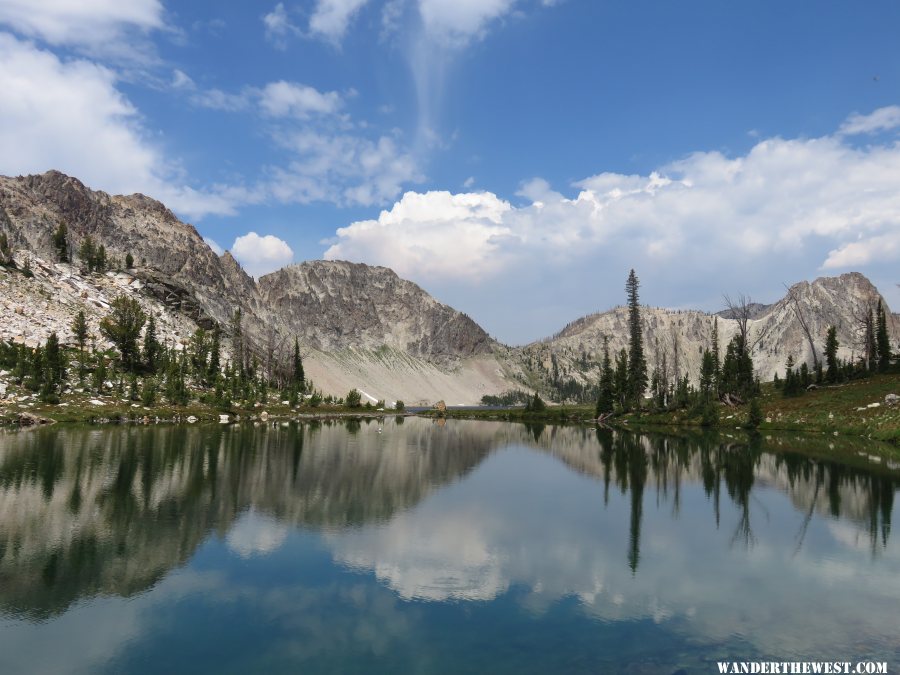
x=122, y=326
x=707, y=377
x=54, y=361
x=152, y=348
x=80, y=331
x=637, y=364
x=606, y=397
x=61, y=243
x=621, y=378
x=299, y=376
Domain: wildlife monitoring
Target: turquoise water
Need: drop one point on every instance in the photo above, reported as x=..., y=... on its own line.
x=467, y=547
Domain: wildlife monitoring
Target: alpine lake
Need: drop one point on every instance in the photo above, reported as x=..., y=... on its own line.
x=411, y=545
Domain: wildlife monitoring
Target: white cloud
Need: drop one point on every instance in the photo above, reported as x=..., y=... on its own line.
x=181, y=80
x=261, y=255
x=342, y=168
x=884, y=247
x=469, y=182
x=292, y=99
x=108, y=27
x=457, y=21
x=436, y=235
x=331, y=17
x=69, y=115
x=279, y=26
x=783, y=211
x=883, y=119
x=216, y=99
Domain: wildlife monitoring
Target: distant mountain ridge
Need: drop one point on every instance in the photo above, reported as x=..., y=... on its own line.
x=363, y=326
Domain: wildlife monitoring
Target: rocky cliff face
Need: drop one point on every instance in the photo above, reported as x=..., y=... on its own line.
x=362, y=326
x=335, y=305
x=678, y=338
x=359, y=326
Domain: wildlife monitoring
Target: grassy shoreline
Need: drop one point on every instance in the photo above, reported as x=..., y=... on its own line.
x=839, y=410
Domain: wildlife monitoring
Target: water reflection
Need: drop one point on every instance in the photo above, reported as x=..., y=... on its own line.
x=714, y=539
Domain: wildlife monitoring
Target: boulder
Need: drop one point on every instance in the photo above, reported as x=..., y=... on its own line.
x=891, y=399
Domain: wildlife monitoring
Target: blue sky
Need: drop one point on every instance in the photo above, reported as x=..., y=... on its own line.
x=514, y=157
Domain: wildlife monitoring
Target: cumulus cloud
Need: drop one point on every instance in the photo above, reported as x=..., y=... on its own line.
x=260, y=255
x=69, y=115
x=790, y=206
x=435, y=235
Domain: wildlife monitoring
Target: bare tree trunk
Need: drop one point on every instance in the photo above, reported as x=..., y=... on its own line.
x=805, y=326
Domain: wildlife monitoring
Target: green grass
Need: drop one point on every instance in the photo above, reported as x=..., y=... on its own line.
x=828, y=409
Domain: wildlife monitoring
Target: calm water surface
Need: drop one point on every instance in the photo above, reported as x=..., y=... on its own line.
x=468, y=547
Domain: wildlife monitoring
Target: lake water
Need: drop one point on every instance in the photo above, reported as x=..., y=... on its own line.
x=465, y=547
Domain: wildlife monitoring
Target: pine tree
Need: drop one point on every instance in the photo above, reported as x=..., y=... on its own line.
x=152, y=348
x=80, y=331
x=707, y=376
x=122, y=326
x=100, y=260
x=298, y=375
x=831, y=347
x=129, y=261
x=88, y=252
x=54, y=361
x=637, y=364
x=606, y=398
x=61, y=242
x=621, y=378
x=882, y=340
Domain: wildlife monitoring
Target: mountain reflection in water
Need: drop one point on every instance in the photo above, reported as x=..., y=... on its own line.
x=777, y=545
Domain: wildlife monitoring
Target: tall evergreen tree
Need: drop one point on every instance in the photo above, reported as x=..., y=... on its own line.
x=122, y=326
x=832, y=372
x=882, y=340
x=637, y=363
x=621, y=378
x=606, y=398
x=152, y=348
x=53, y=360
x=61, y=242
x=80, y=331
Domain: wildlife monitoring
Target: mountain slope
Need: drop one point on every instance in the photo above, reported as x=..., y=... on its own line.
x=679, y=337
x=361, y=326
